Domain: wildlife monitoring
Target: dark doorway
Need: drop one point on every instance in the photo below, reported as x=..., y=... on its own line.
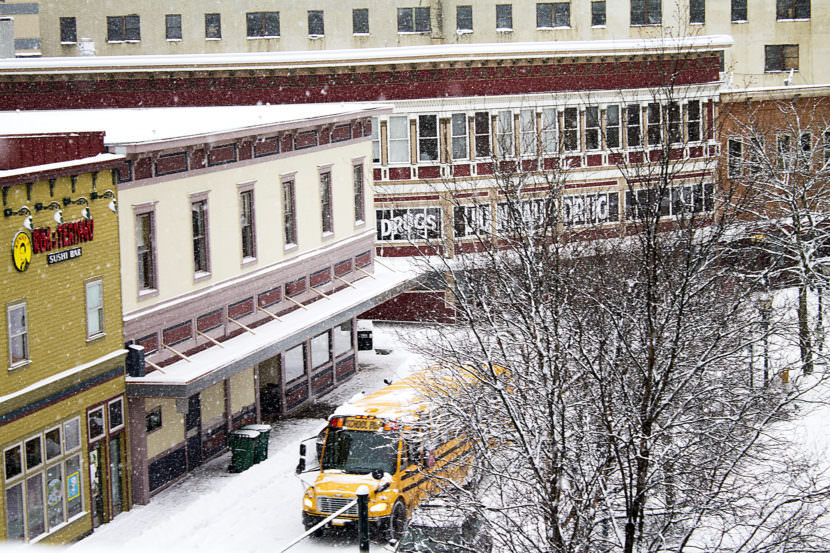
x=193, y=431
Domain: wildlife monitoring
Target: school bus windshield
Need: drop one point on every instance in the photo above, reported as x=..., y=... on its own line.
x=360, y=452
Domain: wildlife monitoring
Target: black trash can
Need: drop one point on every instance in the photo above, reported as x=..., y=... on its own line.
x=243, y=445
x=264, y=432
x=365, y=338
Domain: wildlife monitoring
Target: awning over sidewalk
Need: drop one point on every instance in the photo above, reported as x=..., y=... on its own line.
x=183, y=378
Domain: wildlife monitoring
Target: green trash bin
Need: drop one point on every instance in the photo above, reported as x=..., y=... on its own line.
x=264, y=432
x=243, y=449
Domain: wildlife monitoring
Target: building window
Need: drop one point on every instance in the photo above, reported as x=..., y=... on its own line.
x=549, y=124
x=646, y=12
x=655, y=134
x=592, y=128
x=94, y=308
x=527, y=132
x=294, y=363
x=123, y=28
x=173, y=26
x=612, y=127
x=739, y=11
x=360, y=21
x=315, y=23
x=342, y=338
x=95, y=423
x=481, y=128
x=414, y=20
x=598, y=14
x=199, y=225
x=464, y=19
x=549, y=15
x=47, y=493
x=792, y=9
x=246, y=224
x=697, y=11
x=375, y=140
x=153, y=419
x=693, y=121
x=213, y=26
x=781, y=57
x=427, y=137
x=570, y=130
x=504, y=17
x=325, y=203
x=675, y=123
x=504, y=133
x=398, y=139
x=145, y=250
x=320, y=350
x=263, y=24
x=69, y=30
x=784, y=151
x=826, y=147
x=289, y=212
x=115, y=412
x=458, y=130
x=18, y=326
x=359, y=193
x=734, y=150
x=633, y=125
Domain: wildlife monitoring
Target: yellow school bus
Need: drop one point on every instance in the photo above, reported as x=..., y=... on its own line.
x=376, y=441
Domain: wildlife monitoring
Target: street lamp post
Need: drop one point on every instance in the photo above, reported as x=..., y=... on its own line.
x=765, y=308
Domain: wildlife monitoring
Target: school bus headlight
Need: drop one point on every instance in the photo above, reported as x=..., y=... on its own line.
x=379, y=508
x=307, y=502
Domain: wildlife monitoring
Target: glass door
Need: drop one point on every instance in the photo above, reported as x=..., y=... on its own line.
x=96, y=484
x=116, y=475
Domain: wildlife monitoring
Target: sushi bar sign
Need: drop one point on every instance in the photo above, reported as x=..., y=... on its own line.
x=66, y=237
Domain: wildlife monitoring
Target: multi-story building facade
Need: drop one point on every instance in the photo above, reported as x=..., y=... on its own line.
x=772, y=37
x=247, y=248
x=63, y=411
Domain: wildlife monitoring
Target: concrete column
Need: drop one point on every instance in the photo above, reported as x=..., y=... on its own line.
x=139, y=475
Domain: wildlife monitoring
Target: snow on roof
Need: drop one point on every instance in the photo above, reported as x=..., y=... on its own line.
x=236, y=349
x=58, y=166
x=125, y=126
x=365, y=56
x=401, y=400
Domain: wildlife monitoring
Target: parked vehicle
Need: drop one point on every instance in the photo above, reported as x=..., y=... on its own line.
x=442, y=526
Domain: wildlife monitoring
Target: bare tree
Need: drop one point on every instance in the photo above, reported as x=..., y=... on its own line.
x=597, y=363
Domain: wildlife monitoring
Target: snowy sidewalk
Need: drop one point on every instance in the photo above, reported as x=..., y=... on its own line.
x=256, y=510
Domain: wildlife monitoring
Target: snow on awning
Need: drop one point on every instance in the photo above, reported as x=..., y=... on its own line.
x=182, y=379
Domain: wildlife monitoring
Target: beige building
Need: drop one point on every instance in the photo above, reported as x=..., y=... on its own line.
x=772, y=37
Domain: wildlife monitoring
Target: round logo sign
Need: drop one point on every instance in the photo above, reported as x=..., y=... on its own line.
x=21, y=251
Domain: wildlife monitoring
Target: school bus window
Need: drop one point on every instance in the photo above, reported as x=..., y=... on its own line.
x=359, y=452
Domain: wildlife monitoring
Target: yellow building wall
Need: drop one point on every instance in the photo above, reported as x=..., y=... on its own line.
x=242, y=390
x=55, y=294
x=213, y=405
x=171, y=432
x=173, y=219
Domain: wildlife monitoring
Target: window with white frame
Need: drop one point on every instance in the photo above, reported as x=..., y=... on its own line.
x=427, y=137
x=18, y=332
x=592, y=128
x=246, y=223
x=320, y=349
x=553, y=14
x=94, y=308
x=549, y=125
x=598, y=18
x=315, y=23
x=145, y=239
x=414, y=20
x=294, y=363
x=481, y=128
x=504, y=133
x=675, y=123
x=570, y=130
x=612, y=126
x=213, y=26
x=199, y=226
x=527, y=132
x=173, y=26
x=359, y=193
x=326, y=210
x=375, y=140
x=115, y=414
x=398, y=139
x=464, y=19
x=633, y=126
x=646, y=12
x=654, y=128
x=342, y=338
x=792, y=9
x=458, y=131
x=504, y=17
x=43, y=481
x=360, y=21
x=734, y=151
x=693, y=121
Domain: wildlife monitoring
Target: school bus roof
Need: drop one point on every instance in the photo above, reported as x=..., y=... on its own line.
x=401, y=400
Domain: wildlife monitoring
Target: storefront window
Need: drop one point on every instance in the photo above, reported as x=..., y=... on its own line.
x=50, y=494
x=96, y=423
x=116, y=412
x=342, y=338
x=294, y=363
x=320, y=350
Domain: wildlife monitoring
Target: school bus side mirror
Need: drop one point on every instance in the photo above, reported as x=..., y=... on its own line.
x=301, y=463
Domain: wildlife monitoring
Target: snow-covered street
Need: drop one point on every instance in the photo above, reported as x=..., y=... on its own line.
x=256, y=510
